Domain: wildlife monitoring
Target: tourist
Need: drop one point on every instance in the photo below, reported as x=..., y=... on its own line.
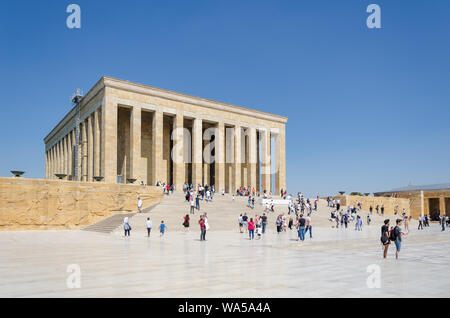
x=396, y=236
x=197, y=202
x=420, y=227
x=186, y=223
x=251, y=229
x=139, y=205
x=370, y=210
x=443, y=223
x=162, y=228
x=126, y=226
x=202, y=229
x=245, y=222
x=192, y=204
x=149, y=226
x=259, y=228
x=301, y=228
x=368, y=219
x=308, y=226
x=241, y=224
x=279, y=224
x=385, y=237
x=264, y=223
x=205, y=217
x=406, y=220
x=382, y=209
x=358, y=226
x=291, y=223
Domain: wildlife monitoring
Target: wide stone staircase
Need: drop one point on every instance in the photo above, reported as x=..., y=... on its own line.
x=109, y=224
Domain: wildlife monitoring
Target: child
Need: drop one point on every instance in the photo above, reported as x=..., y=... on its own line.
x=162, y=228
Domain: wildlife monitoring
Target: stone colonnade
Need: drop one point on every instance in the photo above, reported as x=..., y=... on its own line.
x=121, y=143
x=132, y=133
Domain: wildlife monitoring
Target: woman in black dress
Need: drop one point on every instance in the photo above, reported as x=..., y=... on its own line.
x=385, y=237
x=186, y=223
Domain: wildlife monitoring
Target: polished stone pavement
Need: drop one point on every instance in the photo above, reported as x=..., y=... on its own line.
x=333, y=264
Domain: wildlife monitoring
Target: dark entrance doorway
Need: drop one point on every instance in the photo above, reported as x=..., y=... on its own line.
x=433, y=208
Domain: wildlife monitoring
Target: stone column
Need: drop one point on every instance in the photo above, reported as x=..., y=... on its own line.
x=219, y=158
x=85, y=151
x=54, y=161
x=265, y=161
x=79, y=145
x=237, y=160
x=197, y=155
x=70, y=155
x=280, y=153
x=251, y=165
x=157, y=145
x=65, y=159
x=46, y=164
x=97, y=139
x=109, y=139
x=50, y=171
x=135, y=144
x=441, y=205
x=178, y=152
x=58, y=156
x=422, y=204
x=90, y=152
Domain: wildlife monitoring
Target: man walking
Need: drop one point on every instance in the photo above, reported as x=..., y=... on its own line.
x=420, y=223
x=202, y=228
x=149, y=226
x=139, y=205
x=264, y=223
x=192, y=203
x=301, y=228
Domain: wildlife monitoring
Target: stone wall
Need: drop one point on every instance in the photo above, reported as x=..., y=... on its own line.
x=388, y=202
x=35, y=204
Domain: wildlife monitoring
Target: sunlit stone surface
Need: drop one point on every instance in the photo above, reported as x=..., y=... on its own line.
x=333, y=264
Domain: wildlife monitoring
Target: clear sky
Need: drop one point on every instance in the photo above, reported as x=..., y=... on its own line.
x=369, y=109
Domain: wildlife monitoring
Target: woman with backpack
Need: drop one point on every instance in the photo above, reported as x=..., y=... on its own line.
x=385, y=237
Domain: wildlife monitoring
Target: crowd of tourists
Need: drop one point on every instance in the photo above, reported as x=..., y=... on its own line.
x=298, y=217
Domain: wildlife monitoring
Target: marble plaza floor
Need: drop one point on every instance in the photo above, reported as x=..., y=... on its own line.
x=333, y=264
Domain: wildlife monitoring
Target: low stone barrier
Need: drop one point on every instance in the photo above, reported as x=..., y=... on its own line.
x=388, y=202
x=37, y=204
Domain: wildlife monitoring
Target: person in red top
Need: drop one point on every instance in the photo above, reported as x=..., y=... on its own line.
x=202, y=228
x=251, y=229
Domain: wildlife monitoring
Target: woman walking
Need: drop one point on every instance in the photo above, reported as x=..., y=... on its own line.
x=202, y=228
x=126, y=226
x=251, y=229
x=186, y=223
x=385, y=237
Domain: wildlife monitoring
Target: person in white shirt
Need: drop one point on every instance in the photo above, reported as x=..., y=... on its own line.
x=149, y=226
x=139, y=205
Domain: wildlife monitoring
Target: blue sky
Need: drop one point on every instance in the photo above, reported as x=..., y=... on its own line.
x=368, y=108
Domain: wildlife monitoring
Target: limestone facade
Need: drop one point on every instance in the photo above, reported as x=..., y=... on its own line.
x=132, y=131
x=37, y=204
